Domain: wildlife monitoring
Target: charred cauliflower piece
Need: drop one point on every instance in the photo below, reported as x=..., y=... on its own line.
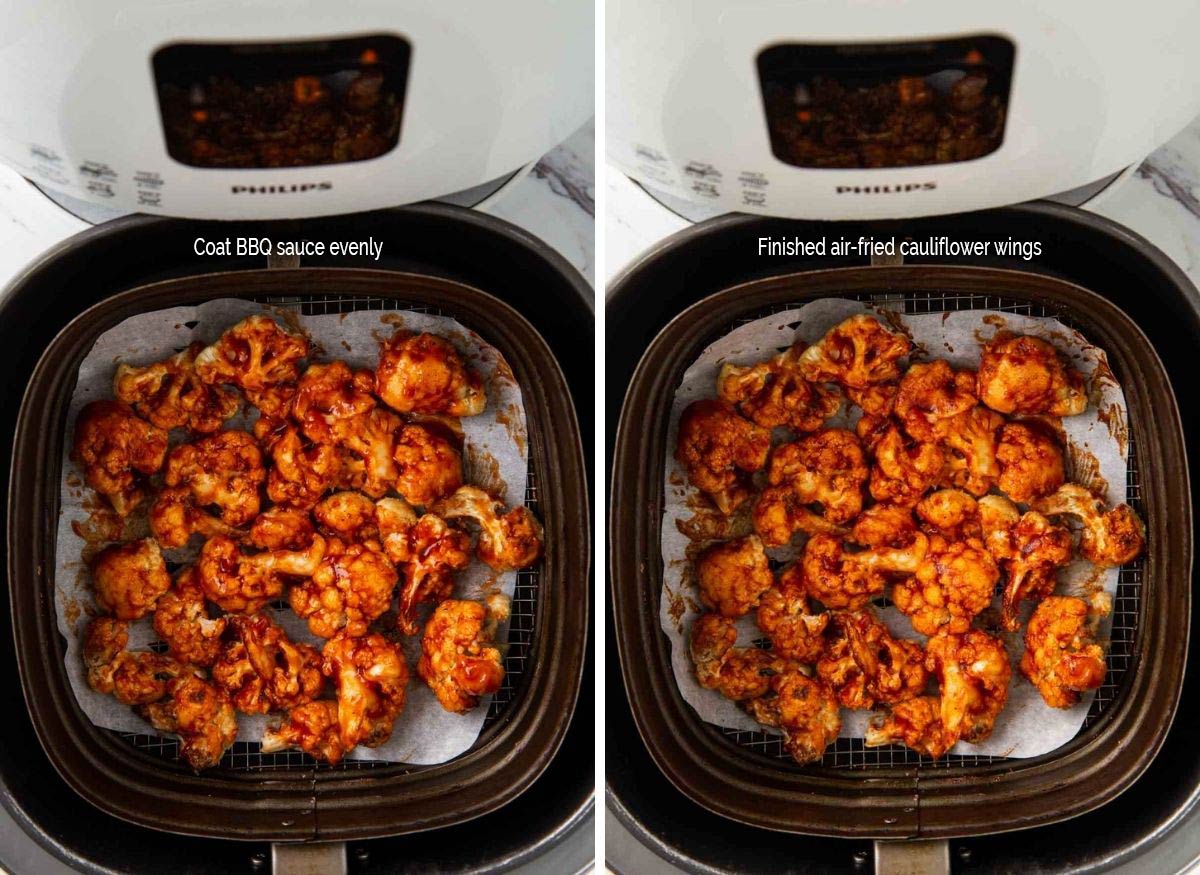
x=128, y=579
x=857, y=353
x=864, y=664
x=507, y=541
x=311, y=727
x=930, y=393
x=719, y=450
x=132, y=678
x=423, y=373
x=458, y=660
x=1029, y=547
x=1025, y=375
x=775, y=393
x=113, y=446
x=169, y=394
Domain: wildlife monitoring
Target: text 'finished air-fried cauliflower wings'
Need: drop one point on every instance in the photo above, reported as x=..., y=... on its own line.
x=804, y=709
x=261, y=670
x=507, y=540
x=1026, y=375
x=113, y=446
x=1062, y=658
x=864, y=664
x=719, y=450
x=775, y=392
x=736, y=673
x=458, y=660
x=200, y=714
x=732, y=575
x=258, y=357
x=370, y=676
x=1111, y=537
x=128, y=579
x=169, y=394
x=423, y=373
x=1028, y=547
x=857, y=353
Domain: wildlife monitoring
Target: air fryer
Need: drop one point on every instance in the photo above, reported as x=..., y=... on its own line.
x=429, y=240
x=1081, y=248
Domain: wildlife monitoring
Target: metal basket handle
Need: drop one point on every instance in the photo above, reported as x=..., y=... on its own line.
x=308, y=858
x=927, y=857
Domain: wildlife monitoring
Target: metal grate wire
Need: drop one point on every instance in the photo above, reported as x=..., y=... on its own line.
x=852, y=753
x=247, y=756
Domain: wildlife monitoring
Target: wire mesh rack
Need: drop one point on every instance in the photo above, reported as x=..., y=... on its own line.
x=247, y=756
x=852, y=753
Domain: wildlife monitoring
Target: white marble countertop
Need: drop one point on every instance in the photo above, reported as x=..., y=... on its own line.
x=1161, y=201
x=555, y=201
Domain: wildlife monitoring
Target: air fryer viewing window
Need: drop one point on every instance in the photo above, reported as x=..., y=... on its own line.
x=282, y=104
x=886, y=105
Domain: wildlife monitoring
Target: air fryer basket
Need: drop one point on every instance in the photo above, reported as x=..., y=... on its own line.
x=891, y=792
x=289, y=796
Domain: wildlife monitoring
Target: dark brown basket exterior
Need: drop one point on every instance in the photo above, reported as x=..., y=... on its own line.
x=909, y=801
x=305, y=804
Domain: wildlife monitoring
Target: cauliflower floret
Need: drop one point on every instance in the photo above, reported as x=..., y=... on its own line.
x=917, y=724
x=863, y=664
x=458, y=660
x=311, y=727
x=1029, y=547
x=737, y=673
x=971, y=439
x=953, y=584
x=350, y=588
x=329, y=393
x=1025, y=375
x=258, y=357
x=240, y=582
x=974, y=674
x=301, y=472
x=175, y=517
x=370, y=675
x=774, y=393
x=779, y=514
x=507, y=541
x=827, y=468
x=181, y=620
x=170, y=395
x=1031, y=462
x=951, y=513
x=348, y=515
x=112, y=446
x=200, y=714
x=369, y=440
x=904, y=470
x=785, y=616
x=261, y=670
x=1062, y=658
x=732, y=575
x=930, y=393
x=428, y=465
x=804, y=709
x=436, y=552
x=223, y=469
x=128, y=579
x=1110, y=537
x=132, y=678
x=423, y=373
x=858, y=352
x=719, y=450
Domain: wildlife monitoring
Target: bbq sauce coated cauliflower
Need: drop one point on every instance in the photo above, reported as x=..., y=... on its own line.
x=458, y=660
x=128, y=579
x=261, y=670
x=312, y=727
x=1029, y=547
x=775, y=393
x=857, y=353
x=113, y=446
x=786, y=617
x=370, y=676
x=1111, y=537
x=258, y=357
x=423, y=373
x=181, y=620
x=223, y=469
x=732, y=575
x=1031, y=462
x=737, y=673
x=328, y=394
x=719, y=450
x=930, y=393
x=1026, y=375
x=507, y=540
x=804, y=709
x=131, y=677
x=169, y=394
x=350, y=587
x=827, y=468
x=301, y=471
x=239, y=582
x=428, y=464
x=864, y=664
x=200, y=714
x=952, y=585
x=1062, y=658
